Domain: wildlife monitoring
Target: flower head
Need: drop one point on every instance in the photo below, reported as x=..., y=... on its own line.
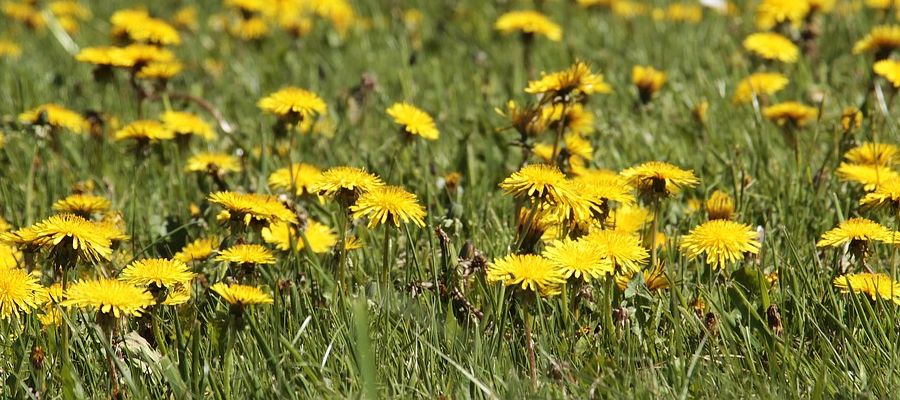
x=759, y=84
x=882, y=40
x=719, y=205
x=603, y=188
x=528, y=22
x=56, y=116
x=857, y=230
x=320, y=237
x=659, y=178
x=198, y=250
x=414, y=121
x=887, y=194
x=648, y=81
x=621, y=248
x=870, y=176
x=160, y=70
x=247, y=254
x=241, y=295
x=9, y=49
x=293, y=104
x=19, y=292
x=185, y=123
x=790, y=113
x=772, y=46
x=253, y=208
x=889, y=70
x=851, y=118
x=654, y=278
x=723, y=242
x=298, y=178
x=579, y=258
x=869, y=153
x=69, y=234
x=108, y=296
x=161, y=272
x=876, y=286
x=82, y=204
x=531, y=272
x=541, y=182
x=209, y=162
x=9, y=255
x=389, y=203
x=345, y=184
x=629, y=218
x=770, y=13
x=577, y=81
x=144, y=131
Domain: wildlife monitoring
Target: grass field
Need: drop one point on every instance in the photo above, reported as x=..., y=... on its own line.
x=768, y=322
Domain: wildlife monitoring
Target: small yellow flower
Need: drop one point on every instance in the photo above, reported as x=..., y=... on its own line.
x=528, y=22
x=720, y=205
x=161, y=272
x=139, y=26
x=576, y=81
x=298, y=178
x=198, y=250
x=684, y=12
x=345, y=184
x=209, y=162
x=249, y=29
x=579, y=258
x=629, y=218
x=185, y=123
x=319, y=236
x=870, y=176
x=531, y=272
x=621, y=248
x=772, y=46
x=790, y=113
x=389, y=203
x=759, y=84
x=82, y=204
x=869, y=153
x=723, y=242
x=9, y=49
x=56, y=116
x=882, y=40
x=108, y=296
x=887, y=194
x=654, y=278
x=253, y=208
x=20, y=292
x=648, y=81
x=241, y=295
x=890, y=70
x=770, y=13
x=414, y=121
x=144, y=131
x=163, y=70
x=659, y=178
x=247, y=254
x=293, y=104
x=851, y=119
x=876, y=286
x=858, y=230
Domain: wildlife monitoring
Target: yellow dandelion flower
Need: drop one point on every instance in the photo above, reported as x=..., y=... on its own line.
x=622, y=249
x=886, y=194
x=151, y=30
x=629, y=218
x=772, y=46
x=654, y=278
x=629, y=9
x=9, y=256
x=770, y=13
x=209, y=162
x=319, y=236
x=869, y=153
x=345, y=184
x=108, y=296
x=68, y=233
x=253, y=208
x=25, y=13
x=876, y=286
x=529, y=23
x=890, y=70
x=821, y=6
x=790, y=113
x=241, y=295
x=540, y=182
x=577, y=81
x=198, y=250
x=720, y=205
x=186, y=18
x=723, y=242
x=389, y=203
x=857, y=230
x=293, y=104
x=136, y=55
x=578, y=258
x=759, y=84
x=20, y=292
x=9, y=49
x=56, y=116
x=530, y=272
x=699, y=111
x=249, y=29
x=870, y=176
x=659, y=178
x=162, y=70
x=648, y=81
x=604, y=188
x=595, y=3
x=82, y=204
x=144, y=131
x=684, y=12
x=882, y=4
x=185, y=123
x=414, y=121
x=180, y=293
x=298, y=178
x=881, y=40
x=247, y=254
x=161, y=272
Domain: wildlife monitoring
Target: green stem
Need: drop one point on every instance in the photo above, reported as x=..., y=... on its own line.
x=157, y=334
x=340, y=285
x=386, y=260
x=529, y=345
x=654, y=226
x=559, y=133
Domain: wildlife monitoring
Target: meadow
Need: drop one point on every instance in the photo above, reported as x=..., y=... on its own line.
x=449, y=199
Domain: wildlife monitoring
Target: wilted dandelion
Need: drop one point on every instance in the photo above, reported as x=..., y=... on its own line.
x=654, y=278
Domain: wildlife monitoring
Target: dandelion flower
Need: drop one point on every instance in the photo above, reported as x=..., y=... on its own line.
x=851, y=118
x=759, y=84
x=659, y=178
x=241, y=295
x=648, y=81
x=9, y=256
x=622, y=249
x=389, y=203
x=71, y=234
x=869, y=153
x=531, y=272
x=252, y=208
x=577, y=81
x=529, y=23
x=720, y=205
x=160, y=70
x=723, y=242
x=108, y=296
x=876, y=286
x=82, y=204
x=249, y=29
x=790, y=113
x=345, y=184
x=9, y=49
x=881, y=40
x=578, y=258
x=887, y=194
x=298, y=178
x=654, y=278
x=320, y=237
x=540, y=182
x=149, y=30
x=772, y=46
x=185, y=123
x=604, y=188
x=247, y=254
x=414, y=121
x=135, y=56
x=55, y=116
x=19, y=292
x=870, y=176
x=209, y=162
x=198, y=250
x=857, y=230
x=770, y=13
x=144, y=131
x=629, y=218
x=890, y=70
x=159, y=272
x=292, y=104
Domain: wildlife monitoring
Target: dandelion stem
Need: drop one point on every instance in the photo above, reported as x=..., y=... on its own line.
x=559, y=133
x=386, y=260
x=157, y=334
x=340, y=285
x=654, y=226
x=529, y=345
